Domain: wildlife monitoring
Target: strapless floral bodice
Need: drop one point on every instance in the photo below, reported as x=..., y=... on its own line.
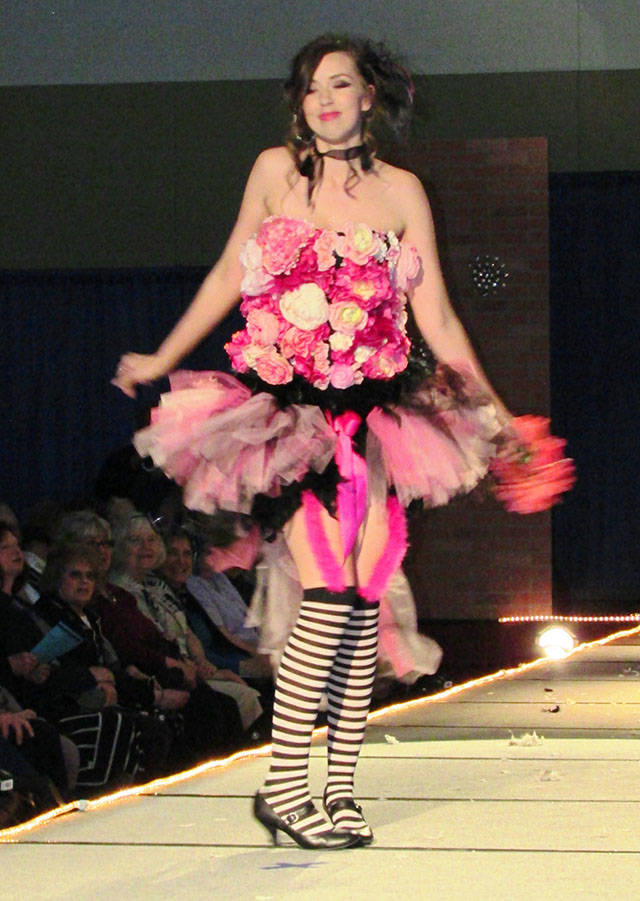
x=326, y=305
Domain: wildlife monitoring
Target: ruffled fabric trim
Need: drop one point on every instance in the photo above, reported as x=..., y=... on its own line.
x=437, y=456
x=224, y=445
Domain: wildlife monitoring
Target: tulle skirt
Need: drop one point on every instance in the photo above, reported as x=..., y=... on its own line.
x=224, y=444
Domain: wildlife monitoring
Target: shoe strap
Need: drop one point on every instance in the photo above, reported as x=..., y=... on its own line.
x=343, y=804
x=300, y=813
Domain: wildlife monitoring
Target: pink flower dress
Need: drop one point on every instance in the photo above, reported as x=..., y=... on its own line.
x=327, y=403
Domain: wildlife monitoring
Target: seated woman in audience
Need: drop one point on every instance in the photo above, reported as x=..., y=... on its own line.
x=176, y=570
x=37, y=539
x=50, y=754
x=138, y=550
x=220, y=608
x=79, y=700
x=136, y=639
x=25, y=791
x=68, y=586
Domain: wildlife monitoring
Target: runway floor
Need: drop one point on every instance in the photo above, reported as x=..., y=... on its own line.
x=523, y=785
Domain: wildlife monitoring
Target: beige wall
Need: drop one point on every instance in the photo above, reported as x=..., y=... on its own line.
x=127, y=175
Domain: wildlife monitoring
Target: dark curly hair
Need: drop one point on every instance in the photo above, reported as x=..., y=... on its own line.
x=389, y=115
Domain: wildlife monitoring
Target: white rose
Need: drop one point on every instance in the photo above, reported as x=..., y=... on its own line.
x=340, y=341
x=250, y=354
x=255, y=280
x=305, y=307
x=361, y=354
x=251, y=254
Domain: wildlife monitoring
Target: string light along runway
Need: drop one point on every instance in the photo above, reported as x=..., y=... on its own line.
x=519, y=784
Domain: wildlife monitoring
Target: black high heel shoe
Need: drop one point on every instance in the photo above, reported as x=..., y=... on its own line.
x=330, y=841
x=364, y=833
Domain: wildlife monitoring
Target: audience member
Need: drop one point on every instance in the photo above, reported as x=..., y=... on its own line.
x=176, y=570
x=78, y=699
x=221, y=606
x=214, y=719
x=137, y=641
x=52, y=755
x=37, y=538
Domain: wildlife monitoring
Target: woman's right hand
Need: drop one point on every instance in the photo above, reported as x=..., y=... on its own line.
x=23, y=663
x=137, y=369
x=189, y=671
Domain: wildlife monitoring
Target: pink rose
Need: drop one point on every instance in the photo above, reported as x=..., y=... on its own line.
x=281, y=240
x=361, y=243
x=346, y=316
x=407, y=267
x=267, y=302
x=297, y=342
x=235, y=348
x=380, y=331
x=369, y=284
x=342, y=375
x=273, y=368
x=314, y=367
x=386, y=363
x=305, y=271
x=263, y=327
x=321, y=358
x=325, y=245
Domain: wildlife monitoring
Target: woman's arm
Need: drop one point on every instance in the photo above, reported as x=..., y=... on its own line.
x=217, y=295
x=434, y=315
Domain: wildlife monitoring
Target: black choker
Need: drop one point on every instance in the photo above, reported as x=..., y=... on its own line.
x=343, y=153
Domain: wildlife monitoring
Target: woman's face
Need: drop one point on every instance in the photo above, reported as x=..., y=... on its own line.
x=77, y=583
x=11, y=558
x=143, y=548
x=336, y=101
x=103, y=545
x=178, y=564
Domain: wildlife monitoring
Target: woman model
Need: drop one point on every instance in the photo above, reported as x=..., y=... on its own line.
x=329, y=427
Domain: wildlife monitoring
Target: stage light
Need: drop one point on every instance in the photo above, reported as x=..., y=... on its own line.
x=556, y=642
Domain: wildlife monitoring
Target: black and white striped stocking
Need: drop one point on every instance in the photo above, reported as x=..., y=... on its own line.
x=349, y=691
x=302, y=678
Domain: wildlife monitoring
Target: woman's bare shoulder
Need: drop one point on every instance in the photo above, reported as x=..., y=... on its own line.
x=405, y=194
x=274, y=161
x=401, y=179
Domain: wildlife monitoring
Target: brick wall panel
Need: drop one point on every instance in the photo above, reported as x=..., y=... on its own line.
x=471, y=559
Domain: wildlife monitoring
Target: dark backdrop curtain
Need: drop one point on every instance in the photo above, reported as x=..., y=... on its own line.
x=595, y=386
x=62, y=336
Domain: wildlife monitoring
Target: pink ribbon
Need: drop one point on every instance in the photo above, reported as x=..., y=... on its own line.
x=352, y=492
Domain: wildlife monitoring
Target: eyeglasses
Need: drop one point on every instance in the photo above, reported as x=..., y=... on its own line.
x=81, y=574
x=94, y=542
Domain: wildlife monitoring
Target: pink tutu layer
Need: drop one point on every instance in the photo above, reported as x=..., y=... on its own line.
x=224, y=445
x=435, y=456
